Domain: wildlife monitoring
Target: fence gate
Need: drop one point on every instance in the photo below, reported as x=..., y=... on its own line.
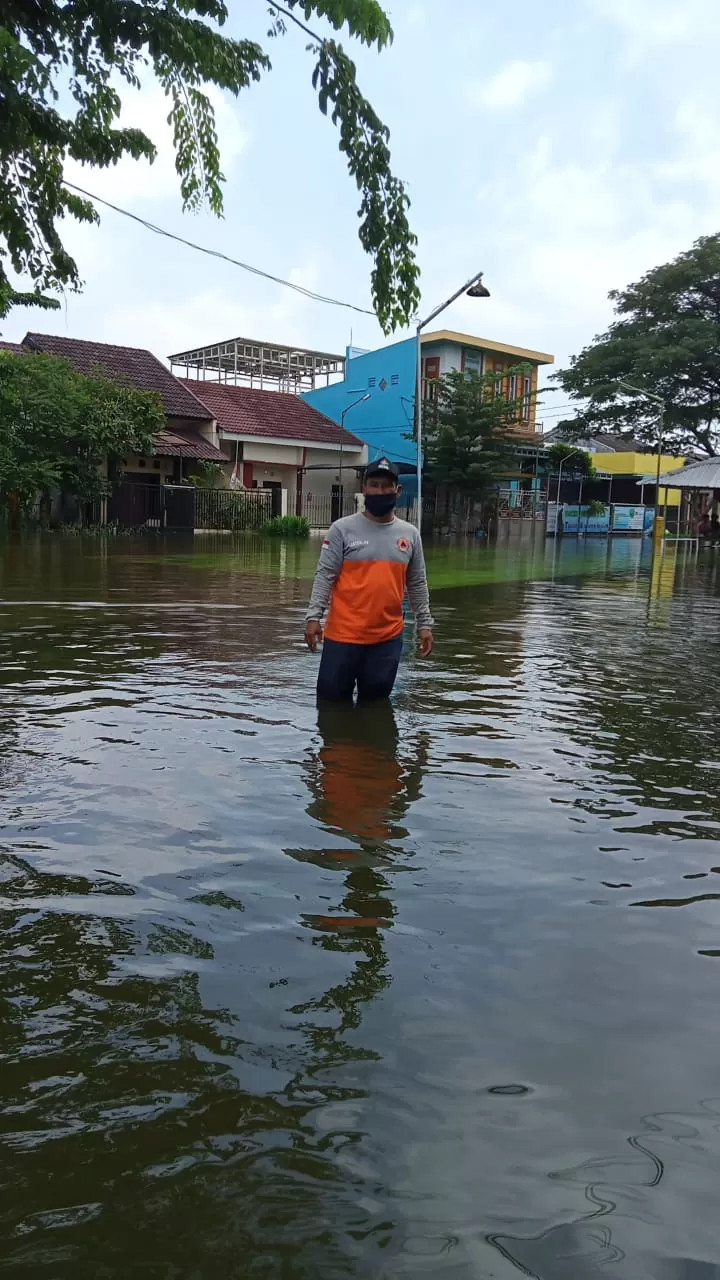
x=136, y=505
x=179, y=507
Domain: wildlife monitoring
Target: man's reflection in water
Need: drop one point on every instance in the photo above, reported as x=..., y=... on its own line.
x=362, y=784
x=362, y=787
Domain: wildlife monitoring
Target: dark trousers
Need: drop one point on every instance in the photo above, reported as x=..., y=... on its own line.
x=370, y=667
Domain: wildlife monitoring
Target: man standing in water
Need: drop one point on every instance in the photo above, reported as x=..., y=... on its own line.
x=367, y=563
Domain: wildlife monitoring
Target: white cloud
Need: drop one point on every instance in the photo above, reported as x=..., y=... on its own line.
x=512, y=86
x=659, y=22
x=697, y=159
x=595, y=225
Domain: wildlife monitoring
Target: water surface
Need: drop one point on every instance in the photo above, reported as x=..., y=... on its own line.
x=422, y=991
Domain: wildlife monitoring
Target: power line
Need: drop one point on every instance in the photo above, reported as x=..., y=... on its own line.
x=215, y=253
x=286, y=13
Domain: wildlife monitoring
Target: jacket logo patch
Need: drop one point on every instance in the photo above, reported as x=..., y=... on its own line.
x=403, y=544
x=353, y=546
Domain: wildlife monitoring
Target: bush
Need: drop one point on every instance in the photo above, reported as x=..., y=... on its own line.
x=287, y=527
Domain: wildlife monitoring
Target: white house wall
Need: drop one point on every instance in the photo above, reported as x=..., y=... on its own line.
x=275, y=455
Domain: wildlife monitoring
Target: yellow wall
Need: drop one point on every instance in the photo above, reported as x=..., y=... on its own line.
x=640, y=464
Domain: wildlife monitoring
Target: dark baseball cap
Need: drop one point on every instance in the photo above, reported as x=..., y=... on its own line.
x=382, y=468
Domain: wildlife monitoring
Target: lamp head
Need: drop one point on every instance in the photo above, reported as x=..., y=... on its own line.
x=477, y=288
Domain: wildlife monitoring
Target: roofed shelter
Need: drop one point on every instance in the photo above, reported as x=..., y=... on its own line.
x=263, y=366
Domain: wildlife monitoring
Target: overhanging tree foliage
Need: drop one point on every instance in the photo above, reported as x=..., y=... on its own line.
x=468, y=432
x=59, y=68
x=58, y=428
x=666, y=340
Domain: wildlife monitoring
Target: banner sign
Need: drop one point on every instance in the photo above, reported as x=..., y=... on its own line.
x=628, y=519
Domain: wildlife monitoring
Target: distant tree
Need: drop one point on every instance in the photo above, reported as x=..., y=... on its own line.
x=59, y=69
x=469, y=432
x=666, y=340
x=58, y=428
x=575, y=462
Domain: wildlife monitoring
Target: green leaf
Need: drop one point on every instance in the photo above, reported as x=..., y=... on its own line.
x=84, y=45
x=666, y=342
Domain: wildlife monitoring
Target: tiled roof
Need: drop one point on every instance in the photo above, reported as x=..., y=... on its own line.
x=186, y=444
x=132, y=366
x=10, y=346
x=246, y=411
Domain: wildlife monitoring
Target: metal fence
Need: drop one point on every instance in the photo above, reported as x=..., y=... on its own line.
x=521, y=504
x=232, y=509
x=324, y=508
x=184, y=507
x=136, y=506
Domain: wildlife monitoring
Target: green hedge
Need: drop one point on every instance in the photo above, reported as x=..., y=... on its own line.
x=287, y=527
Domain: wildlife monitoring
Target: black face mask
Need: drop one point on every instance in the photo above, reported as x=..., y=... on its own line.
x=380, y=504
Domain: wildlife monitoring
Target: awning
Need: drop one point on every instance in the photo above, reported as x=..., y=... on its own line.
x=704, y=474
x=186, y=444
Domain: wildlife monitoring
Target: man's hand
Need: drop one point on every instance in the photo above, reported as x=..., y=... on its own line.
x=314, y=636
x=426, y=642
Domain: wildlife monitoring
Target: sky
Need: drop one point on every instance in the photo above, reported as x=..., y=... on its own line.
x=562, y=149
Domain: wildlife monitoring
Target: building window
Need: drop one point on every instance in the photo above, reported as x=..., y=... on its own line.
x=512, y=387
x=527, y=399
x=430, y=377
x=471, y=362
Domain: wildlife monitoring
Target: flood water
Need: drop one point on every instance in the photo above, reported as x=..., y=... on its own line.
x=429, y=991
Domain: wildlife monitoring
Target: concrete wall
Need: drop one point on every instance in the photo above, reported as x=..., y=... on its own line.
x=140, y=465
x=267, y=454
x=266, y=462
x=208, y=430
x=449, y=354
x=641, y=464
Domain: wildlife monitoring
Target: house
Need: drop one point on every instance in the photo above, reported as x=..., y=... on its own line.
x=275, y=440
x=387, y=377
x=190, y=436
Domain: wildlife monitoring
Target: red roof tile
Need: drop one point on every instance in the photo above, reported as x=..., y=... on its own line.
x=186, y=444
x=276, y=415
x=132, y=366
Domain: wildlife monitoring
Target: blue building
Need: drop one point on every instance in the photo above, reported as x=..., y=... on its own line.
x=387, y=376
x=385, y=421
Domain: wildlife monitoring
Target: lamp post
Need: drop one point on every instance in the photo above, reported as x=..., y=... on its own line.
x=567, y=458
x=651, y=395
x=345, y=411
x=474, y=288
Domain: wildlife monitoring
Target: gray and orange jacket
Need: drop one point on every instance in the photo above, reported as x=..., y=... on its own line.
x=364, y=571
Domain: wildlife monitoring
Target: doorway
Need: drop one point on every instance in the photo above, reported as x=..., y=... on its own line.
x=275, y=487
x=336, y=502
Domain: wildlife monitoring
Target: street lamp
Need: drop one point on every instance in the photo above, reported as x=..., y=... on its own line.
x=474, y=288
x=651, y=395
x=567, y=458
x=345, y=411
